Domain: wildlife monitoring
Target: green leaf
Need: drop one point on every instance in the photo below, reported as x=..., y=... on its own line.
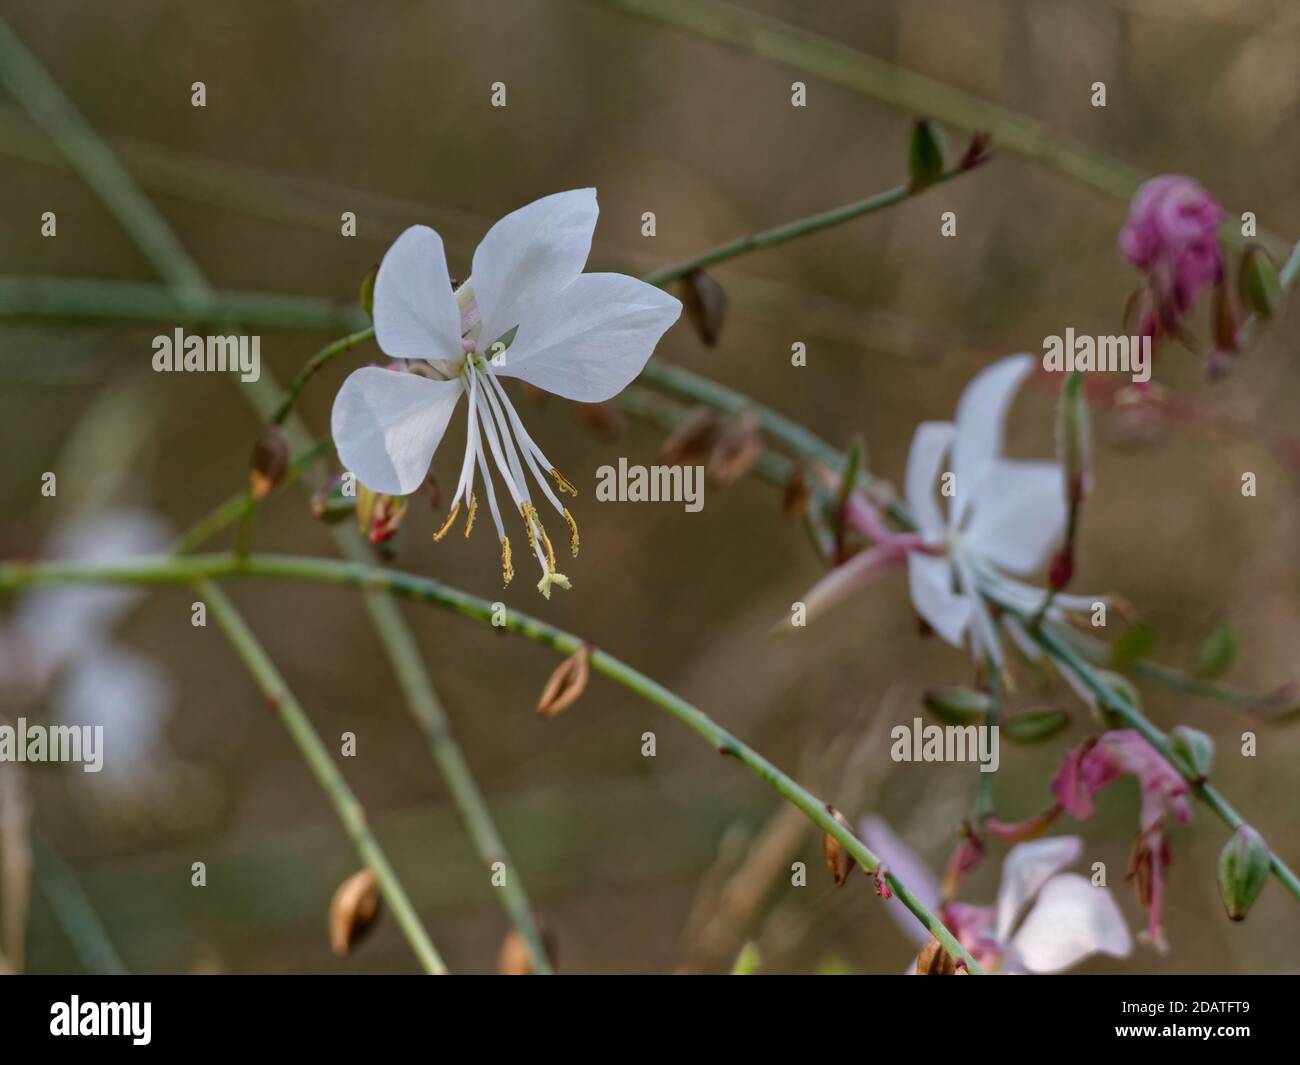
x=1133, y=643
x=1034, y=725
x=927, y=157
x=1218, y=652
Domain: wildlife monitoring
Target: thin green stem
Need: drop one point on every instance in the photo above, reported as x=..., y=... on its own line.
x=85, y=931
x=1119, y=704
x=313, y=366
x=802, y=227
x=318, y=758
x=840, y=64
x=202, y=568
x=31, y=85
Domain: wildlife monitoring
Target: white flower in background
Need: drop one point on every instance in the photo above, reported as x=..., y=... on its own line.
x=1002, y=517
x=1044, y=920
x=56, y=650
x=527, y=311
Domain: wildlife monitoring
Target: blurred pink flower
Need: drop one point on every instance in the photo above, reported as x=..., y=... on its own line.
x=1171, y=236
x=1097, y=763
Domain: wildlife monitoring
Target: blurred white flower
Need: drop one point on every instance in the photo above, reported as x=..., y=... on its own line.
x=1044, y=920
x=57, y=650
x=527, y=311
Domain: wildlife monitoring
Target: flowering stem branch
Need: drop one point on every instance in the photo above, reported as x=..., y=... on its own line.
x=201, y=568
x=1118, y=704
x=327, y=774
x=191, y=298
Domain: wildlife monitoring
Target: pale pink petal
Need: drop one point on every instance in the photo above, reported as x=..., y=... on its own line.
x=1026, y=868
x=1070, y=921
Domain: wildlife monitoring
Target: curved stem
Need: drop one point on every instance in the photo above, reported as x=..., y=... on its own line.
x=196, y=568
x=318, y=758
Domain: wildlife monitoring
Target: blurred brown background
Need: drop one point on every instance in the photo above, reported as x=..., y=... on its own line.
x=314, y=109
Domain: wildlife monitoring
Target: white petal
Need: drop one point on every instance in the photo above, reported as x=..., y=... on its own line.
x=1018, y=514
x=930, y=581
x=930, y=445
x=590, y=341
x=911, y=871
x=128, y=696
x=415, y=309
x=530, y=255
x=981, y=412
x=1027, y=867
x=387, y=425
x=1071, y=920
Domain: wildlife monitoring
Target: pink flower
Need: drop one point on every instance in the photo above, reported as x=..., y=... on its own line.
x=1100, y=761
x=1171, y=236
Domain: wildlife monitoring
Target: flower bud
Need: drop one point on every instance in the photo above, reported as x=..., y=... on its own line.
x=1195, y=748
x=706, y=305
x=1223, y=320
x=269, y=462
x=735, y=453
x=1260, y=289
x=379, y=516
x=1073, y=436
x=1243, y=870
x=926, y=156
x=838, y=860
x=516, y=958
x=353, y=911
x=1218, y=652
x=977, y=151
x=957, y=706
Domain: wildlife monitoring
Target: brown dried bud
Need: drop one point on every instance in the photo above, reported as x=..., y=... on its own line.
x=735, y=454
x=838, y=860
x=567, y=682
x=269, y=462
x=515, y=959
x=794, y=500
x=353, y=911
x=935, y=961
x=706, y=305
x=694, y=436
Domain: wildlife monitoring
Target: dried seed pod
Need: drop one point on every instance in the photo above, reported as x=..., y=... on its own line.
x=735, y=453
x=515, y=959
x=794, y=499
x=838, y=860
x=694, y=436
x=935, y=961
x=567, y=682
x=353, y=911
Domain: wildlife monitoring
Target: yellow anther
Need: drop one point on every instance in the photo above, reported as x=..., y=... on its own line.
x=573, y=532
x=451, y=518
x=529, y=514
x=562, y=482
x=507, y=568
x=473, y=509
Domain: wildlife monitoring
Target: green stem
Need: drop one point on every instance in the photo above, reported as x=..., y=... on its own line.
x=201, y=568
x=85, y=931
x=802, y=227
x=1118, y=704
x=313, y=366
x=318, y=758
x=867, y=75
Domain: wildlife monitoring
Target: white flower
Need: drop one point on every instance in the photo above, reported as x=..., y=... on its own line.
x=1044, y=920
x=527, y=311
x=57, y=648
x=1002, y=517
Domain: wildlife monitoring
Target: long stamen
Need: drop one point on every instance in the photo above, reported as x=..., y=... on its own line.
x=473, y=509
x=451, y=520
x=494, y=445
x=573, y=532
x=507, y=567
